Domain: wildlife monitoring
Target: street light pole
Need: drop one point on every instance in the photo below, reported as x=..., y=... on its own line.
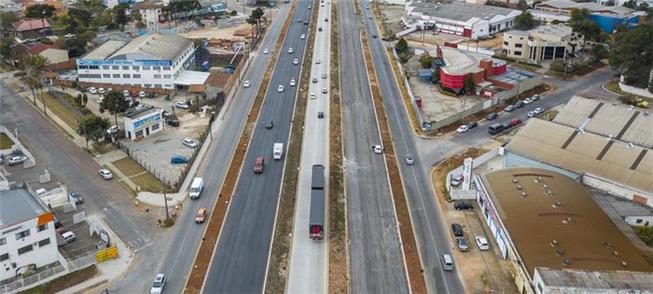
x=165, y=201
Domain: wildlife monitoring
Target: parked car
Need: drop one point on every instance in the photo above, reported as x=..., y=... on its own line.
x=173, y=122
x=200, y=216
x=519, y=104
x=482, y=243
x=491, y=116
x=76, y=197
x=68, y=236
x=409, y=159
x=456, y=180
x=178, y=159
x=188, y=142
x=182, y=105
x=515, y=122
x=246, y=84
x=105, y=174
x=457, y=230
x=16, y=160
x=259, y=163
x=462, y=244
x=463, y=205
x=462, y=129
x=125, y=93
x=92, y=90
x=142, y=94
x=509, y=108
x=112, y=130
x=159, y=284
x=378, y=149
x=496, y=128
x=472, y=125
x=101, y=91
x=528, y=100
x=535, y=97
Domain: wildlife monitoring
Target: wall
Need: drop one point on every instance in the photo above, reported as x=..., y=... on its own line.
x=640, y=197
x=645, y=220
x=39, y=256
x=635, y=91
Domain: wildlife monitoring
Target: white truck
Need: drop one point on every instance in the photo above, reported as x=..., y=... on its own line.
x=277, y=151
x=196, y=188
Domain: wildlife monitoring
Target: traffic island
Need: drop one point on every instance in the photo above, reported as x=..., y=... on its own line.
x=196, y=277
x=337, y=225
x=411, y=255
x=278, y=267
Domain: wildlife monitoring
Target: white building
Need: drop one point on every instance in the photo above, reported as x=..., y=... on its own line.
x=144, y=122
x=546, y=42
x=27, y=235
x=150, y=12
x=149, y=61
x=462, y=19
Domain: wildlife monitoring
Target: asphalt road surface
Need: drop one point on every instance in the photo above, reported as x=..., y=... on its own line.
x=239, y=263
x=375, y=254
x=308, y=258
x=430, y=231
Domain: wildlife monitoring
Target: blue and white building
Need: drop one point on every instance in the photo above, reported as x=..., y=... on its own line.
x=149, y=61
x=144, y=122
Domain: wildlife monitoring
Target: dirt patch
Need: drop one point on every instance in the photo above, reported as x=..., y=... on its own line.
x=338, y=270
x=399, y=78
x=64, y=282
x=5, y=141
x=205, y=252
x=280, y=252
x=413, y=263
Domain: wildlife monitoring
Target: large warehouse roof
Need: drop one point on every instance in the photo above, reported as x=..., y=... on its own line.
x=571, y=229
x=150, y=47
x=570, y=149
x=460, y=11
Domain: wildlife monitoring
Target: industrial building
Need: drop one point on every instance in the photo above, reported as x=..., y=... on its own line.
x=28, y=239
x=461, y=19
x=546, y=42
x=150, y=61
x=606, y=17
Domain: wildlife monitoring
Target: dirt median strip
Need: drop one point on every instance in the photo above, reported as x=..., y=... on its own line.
x=210, y=238
x=338, y=270
x=411, y=255
x=277, y=275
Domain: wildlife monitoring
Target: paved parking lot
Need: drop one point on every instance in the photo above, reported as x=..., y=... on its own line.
x=84, y=243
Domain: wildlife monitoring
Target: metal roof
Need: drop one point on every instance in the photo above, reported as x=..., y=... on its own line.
x=18, y=205
x=572, y=230
x=317, y=208
x=460, y=11
x=105, y=50
x=154, y=47
x=610, y=281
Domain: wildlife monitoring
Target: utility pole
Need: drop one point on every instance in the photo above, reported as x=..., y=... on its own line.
x=165, y=201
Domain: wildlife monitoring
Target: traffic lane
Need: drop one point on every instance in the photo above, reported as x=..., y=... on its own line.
x=241, y=255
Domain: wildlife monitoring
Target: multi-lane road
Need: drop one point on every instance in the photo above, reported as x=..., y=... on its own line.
x=240, y=259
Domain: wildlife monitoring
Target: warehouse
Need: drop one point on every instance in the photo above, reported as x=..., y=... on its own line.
x=606, y=17
x=149, y=61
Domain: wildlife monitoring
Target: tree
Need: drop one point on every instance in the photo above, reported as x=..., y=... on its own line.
x=468, y=85
x=84, y=100
x=525, y=21
x=522, y=5
x=77, y=44
x=40, y=11
x=401, y=46
x=598, y=52
x=632, y=55
x=632, y=4
x=5, y=48
x=8, y=19
x=136, y=16
x=581, y=23
x=255, y=19
x=114, y=102
x=120, y=16
x=645, y=233
x=93, y=127
x=425, y=60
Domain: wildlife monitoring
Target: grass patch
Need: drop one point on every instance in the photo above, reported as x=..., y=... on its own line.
x=128, y=166
x=140, y=176
x=64, y=282
x=399, y=78
x=59, y=109
x=5, y=141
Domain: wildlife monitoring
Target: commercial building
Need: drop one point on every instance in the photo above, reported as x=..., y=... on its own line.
x=606, y=17
x=150, y=61
x=144, y=122
x=574, y=239
x=150, y=12
x=546, y=42
x=462, y=19
x=27, y=235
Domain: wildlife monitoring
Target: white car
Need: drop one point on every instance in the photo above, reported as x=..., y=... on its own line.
x=16, y=160
x=317, y=61
x=159, y=284
x=324, y=90
x=409, y=159
x=99, y=99
x=378, y=149
x=482, y=243
x=303, y=36
x=141, y=94
x=112, y=130
x=188, y=142
x=100, y=90
x=266, y=51
x=105, y=174
x=462, y=129
x=246, y=84
x=290, y=51
x=280, y=88
x=295, y=61
x=68, y=236
x=125, y=93
x=92, y=90
x=182, y=105
x=140, y=106
x=312, y=96
x=528, y=100
x=535, y=97
x=293, y=82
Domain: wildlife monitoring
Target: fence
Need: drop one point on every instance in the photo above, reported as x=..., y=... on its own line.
x=47, y=274
x=424, y=125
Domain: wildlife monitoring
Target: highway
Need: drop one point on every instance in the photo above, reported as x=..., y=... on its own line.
x=432, y=236
x=308, y=258
x=240, y=259
x=375, y=254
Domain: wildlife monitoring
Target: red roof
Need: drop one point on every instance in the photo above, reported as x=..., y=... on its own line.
x=31, y=24
x=38, y=48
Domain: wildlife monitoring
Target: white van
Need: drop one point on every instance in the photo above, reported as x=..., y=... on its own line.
x=447, y=262
x=277, y=152
x=196, y=188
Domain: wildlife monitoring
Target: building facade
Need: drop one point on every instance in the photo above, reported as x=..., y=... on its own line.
x=546, y=42
x=27, y=235
x=606, y=17
x=150, y=61
x=144, y=122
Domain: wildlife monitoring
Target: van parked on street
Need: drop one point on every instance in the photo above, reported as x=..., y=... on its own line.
x=196, y=188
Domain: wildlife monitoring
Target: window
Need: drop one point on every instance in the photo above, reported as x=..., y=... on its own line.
x=167, y=76
x=25, y=249
x=4, y=257
x=156, y=68
x=166, y=68
x=105, y=67
x=518, y=45
x=157, y=76
x=539, y=288
x=135, y=67
x=115, y=67
x=116, y=76
x=136, y=76
x=22, y=234
x=42, y=228
x=3, y=241
x=126, y=76
x=505, y=43
x=44, y=242
x=518, y=53
x=94, y=67
x=146, y=68
x=106, y=76
x=125, y=67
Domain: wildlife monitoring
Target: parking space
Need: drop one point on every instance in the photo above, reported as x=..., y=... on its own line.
x=83, y=243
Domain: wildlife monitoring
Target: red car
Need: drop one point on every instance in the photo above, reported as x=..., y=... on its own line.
x=258, y=165
x=515, y=122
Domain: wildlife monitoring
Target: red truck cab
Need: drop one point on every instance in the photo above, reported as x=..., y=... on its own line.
x=258, y=165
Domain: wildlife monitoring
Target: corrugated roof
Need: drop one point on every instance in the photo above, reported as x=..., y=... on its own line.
x=155, y=47
x=105, y=50
x=461, y=11
x=616, y=281
x=543, y=141
x=572, y=230
x=31, y=24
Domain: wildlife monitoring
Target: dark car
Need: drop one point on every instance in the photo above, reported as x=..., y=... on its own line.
x=178, y=159
x=320, y=114
x=519, y=104
x=374, y=36
x=457, y=230
x=472, y=125
x=76, y=197
x=491, y=116
x=319, y=29
x=173, y=122
x=515, y=122
x=463, y=205
x=269, y=124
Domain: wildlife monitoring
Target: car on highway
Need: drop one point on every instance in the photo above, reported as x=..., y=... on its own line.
x=246, y=84
x=324, y=90
x=320, y=114
x=314, y=80
x=266, y=51
x=280, y=88
x=303, y=36
x=462, y=244
x=326, y=19
x=409, y=159
x=295, y=61
x=515, y=122
x=293, y=83
x=317, y=61
x=159, y=284
x=309, y=7
x=182, y=105
x=462, y=129
x=290, y=50
x=378, y=149
x=76, y=197
x=319, y=29
x=324, y=76
x=375, y=36
x=105, y=174
x=447, y=262
x=259, y=163
x=509, y=108
x=457, y=230
x=299, y=20
x=200, y=216
x=17, y=160
x=188, y=142
x=305, y=21
x=456, y=180
x=463, y=205
x=312, y=96
x=491, y=116
x=269, y=124
x=482, y=243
